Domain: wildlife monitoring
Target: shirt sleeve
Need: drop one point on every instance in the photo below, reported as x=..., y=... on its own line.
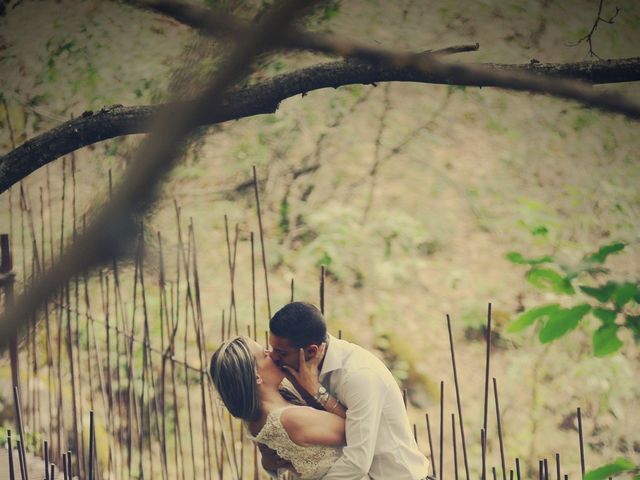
x=363, y=393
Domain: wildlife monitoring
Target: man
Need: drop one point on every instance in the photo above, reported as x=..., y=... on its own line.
x=380, y=442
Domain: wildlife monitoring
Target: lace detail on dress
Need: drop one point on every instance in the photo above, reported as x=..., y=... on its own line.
x=311, y=462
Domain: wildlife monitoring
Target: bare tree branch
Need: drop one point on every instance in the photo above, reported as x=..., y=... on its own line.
x=265, y=97
x=426, y=63
x=114, y=224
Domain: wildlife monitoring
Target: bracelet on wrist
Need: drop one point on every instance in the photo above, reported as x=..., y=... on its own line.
x=322, y=396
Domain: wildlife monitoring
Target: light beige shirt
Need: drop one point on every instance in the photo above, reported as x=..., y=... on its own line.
x=380, y=441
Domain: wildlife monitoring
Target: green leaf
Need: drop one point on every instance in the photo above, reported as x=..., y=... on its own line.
x=515, y=257
x=606, y=341
x=562, y=321
x=633, y=323
x=601, y=255
x=602, y=293
x=530, y=316
x=547, y=279
x=541, y=230
x=610, y=469
x=624, y=292
x=605, y=315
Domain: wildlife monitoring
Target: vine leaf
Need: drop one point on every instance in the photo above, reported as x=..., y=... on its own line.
x=603, y=252
x=606, y=316
x=610, y=469
x=562, y=321
x=515, y=257
x=547, y=279
x=602, y=293
x=606, y=341
x=624, y=293
x=530, y=316
x=633, y=323
x=619, y=293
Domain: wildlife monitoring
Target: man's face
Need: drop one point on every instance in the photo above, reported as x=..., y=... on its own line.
x=283, y=352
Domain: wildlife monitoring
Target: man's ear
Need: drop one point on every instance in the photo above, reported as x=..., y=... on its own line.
x=310, y=351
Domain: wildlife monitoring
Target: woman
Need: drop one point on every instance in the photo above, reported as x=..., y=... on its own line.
x=247, y=380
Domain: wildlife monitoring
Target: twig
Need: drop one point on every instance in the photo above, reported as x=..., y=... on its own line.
x=589, y=36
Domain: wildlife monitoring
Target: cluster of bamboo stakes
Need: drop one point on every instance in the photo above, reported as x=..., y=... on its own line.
x=110, y=363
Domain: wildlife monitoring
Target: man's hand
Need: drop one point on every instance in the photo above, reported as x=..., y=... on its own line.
x=271, y=462
x=308, y=371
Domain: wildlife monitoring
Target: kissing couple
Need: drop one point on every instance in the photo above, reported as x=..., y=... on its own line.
x=354, y=424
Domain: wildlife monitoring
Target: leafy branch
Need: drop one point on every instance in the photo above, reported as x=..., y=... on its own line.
x=613, y=303
x=609, y=470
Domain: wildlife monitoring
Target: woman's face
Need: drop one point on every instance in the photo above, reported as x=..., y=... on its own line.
x=267, y=369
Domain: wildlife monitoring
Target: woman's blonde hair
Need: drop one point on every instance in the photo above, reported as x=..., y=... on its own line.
x=233, y=371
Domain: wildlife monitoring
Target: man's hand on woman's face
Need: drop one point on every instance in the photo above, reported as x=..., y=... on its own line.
x=307, y=374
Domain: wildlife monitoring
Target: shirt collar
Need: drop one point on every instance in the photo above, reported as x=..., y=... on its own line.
x=333, y=356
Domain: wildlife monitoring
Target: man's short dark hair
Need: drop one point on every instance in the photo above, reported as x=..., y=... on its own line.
x=301, y=323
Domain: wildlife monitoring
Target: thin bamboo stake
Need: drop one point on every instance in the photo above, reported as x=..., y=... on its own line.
x=441, y=465
x=74, y=398
x=91, y=334
x=433, y=463
x=483, y=446
x=253, y=289
x=60, y=423
x=23, y=254
x=580, y=438
x=458, y=399
x=12, y=473
x=322, y=276
x=23, y=468
x=264, y=258
x=164, y=318
x=104, y=297
x=231, y=261
x=546, y=469
x=21, y=433
x=91, y=446
x=199, y=321
x=45, y=455
x=455, y=446
x=78, y=349
x=502, y=462
x=487, y=369
x=49, y=346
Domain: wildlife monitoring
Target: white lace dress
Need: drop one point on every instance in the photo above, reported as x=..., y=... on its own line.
x=311, y=462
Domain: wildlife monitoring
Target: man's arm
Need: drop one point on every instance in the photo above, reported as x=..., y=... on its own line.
x=363, y=392
x=271, y=462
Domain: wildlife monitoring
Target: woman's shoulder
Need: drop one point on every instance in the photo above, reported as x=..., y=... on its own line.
x=296, y=419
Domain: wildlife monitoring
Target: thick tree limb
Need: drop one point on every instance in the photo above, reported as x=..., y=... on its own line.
x=265, y=97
